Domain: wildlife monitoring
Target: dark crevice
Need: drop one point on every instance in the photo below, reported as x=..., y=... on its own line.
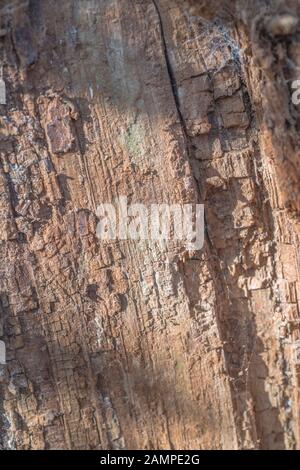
x=197, y=75
x=174, y=87
x=171, y=73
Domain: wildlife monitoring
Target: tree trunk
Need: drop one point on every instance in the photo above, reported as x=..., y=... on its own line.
x=131, y=344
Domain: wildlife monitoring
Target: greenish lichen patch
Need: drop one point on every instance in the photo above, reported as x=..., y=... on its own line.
x=132, y=142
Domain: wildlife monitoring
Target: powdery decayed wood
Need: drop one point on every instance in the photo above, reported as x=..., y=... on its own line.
x=125, y=344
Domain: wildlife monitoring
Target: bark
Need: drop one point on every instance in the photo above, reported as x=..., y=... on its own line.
x=130, y=344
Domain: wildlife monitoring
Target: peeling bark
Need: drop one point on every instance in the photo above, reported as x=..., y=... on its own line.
x=127, y=345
